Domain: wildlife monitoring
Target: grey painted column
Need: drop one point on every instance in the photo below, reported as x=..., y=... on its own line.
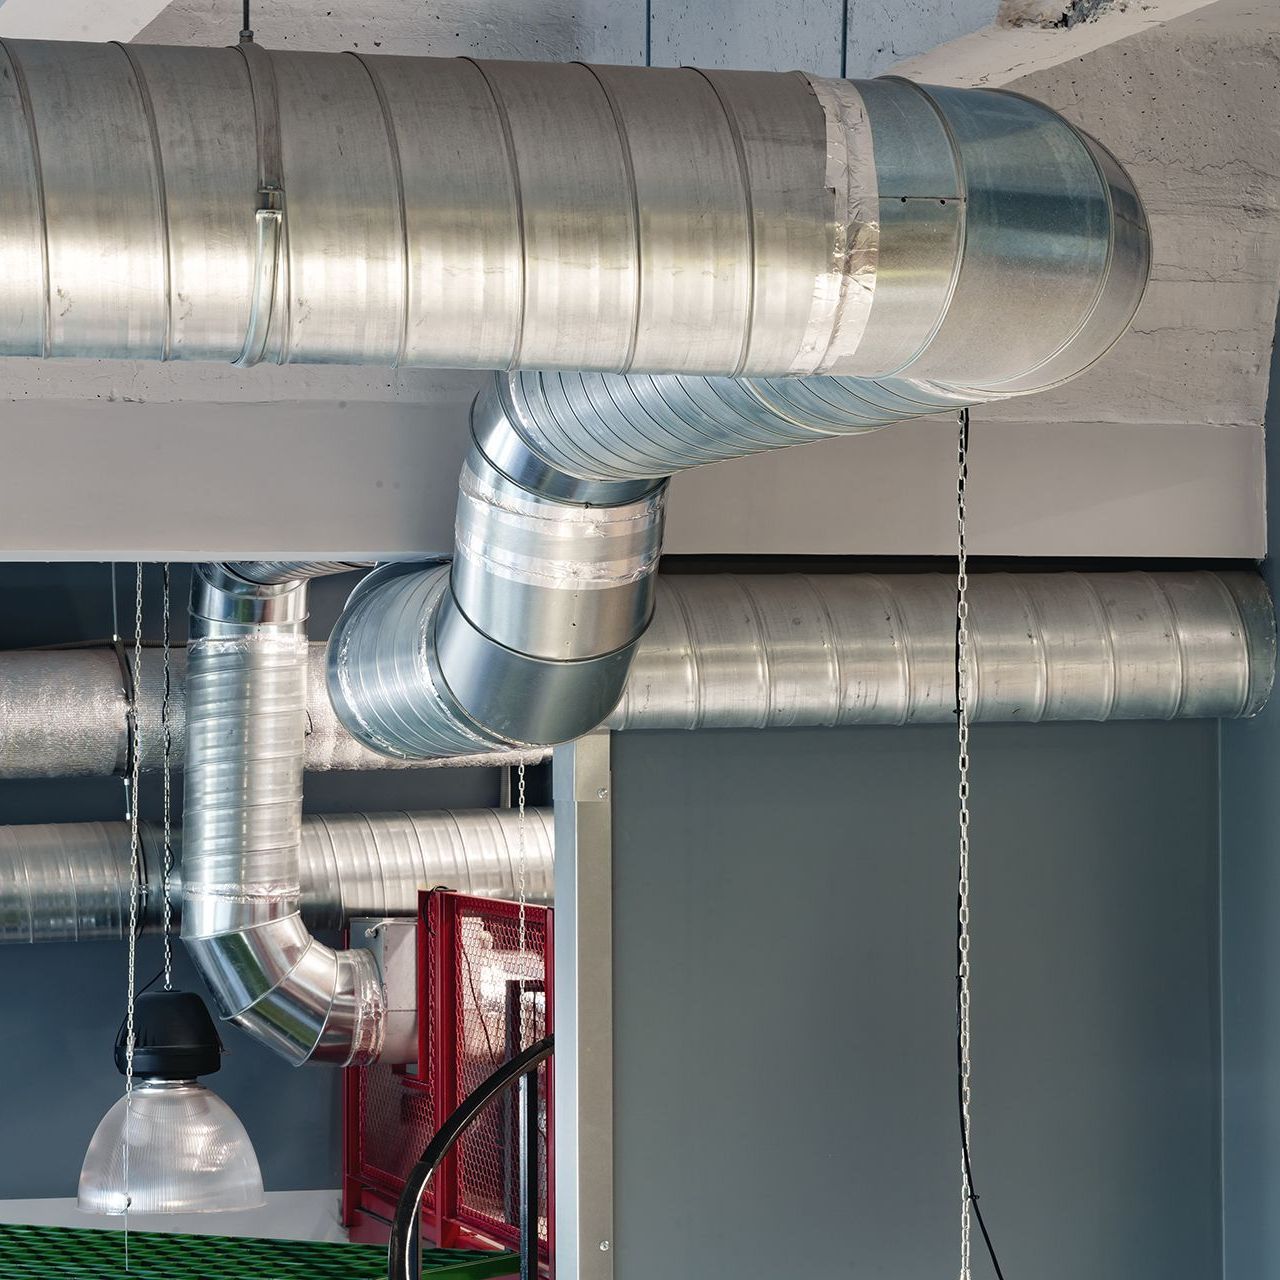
x=584, y=1009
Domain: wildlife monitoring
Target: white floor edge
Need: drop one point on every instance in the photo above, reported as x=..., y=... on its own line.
x=287, y=1215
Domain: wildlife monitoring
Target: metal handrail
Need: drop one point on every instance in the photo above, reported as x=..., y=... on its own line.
x=404, y=1260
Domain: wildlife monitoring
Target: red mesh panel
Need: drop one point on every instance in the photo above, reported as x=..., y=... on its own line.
x=483, y=997
x=397, y=1120
x=501, y=1009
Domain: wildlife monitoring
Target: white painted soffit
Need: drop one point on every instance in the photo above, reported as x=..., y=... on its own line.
x=76, y=19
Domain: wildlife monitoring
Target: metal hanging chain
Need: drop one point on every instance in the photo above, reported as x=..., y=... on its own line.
x=166, y=742
x=135, y=728
x=522, y=862
x=962, y=915
x=969, y=1202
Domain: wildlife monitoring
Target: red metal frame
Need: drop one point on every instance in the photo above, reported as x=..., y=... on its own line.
x=423, y=1096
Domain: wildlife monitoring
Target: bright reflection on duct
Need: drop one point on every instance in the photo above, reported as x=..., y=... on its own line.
x=172, y=1146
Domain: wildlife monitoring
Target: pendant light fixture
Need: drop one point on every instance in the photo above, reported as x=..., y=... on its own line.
x=169, y=1145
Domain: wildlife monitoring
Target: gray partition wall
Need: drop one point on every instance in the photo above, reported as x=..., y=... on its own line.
x=784, y=1052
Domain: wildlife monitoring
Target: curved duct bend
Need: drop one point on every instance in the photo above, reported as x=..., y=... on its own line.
x=986, y=248
x=246, y=727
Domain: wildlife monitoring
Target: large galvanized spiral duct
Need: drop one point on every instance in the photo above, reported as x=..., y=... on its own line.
x=735, y=234
x=70, y=882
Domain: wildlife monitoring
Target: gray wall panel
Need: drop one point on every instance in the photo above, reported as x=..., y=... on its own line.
x=1251, y=956
x=784, y=1067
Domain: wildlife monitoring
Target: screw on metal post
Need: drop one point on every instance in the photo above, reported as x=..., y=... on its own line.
x=246, y=31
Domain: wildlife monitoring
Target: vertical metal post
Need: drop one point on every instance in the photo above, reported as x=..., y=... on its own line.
x=530, y=1169
x=584, y=1010
x=512, y=1133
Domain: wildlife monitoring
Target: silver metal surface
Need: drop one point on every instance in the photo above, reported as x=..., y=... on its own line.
x=584, y=1009
x=70, y=881
x=394, y=947
x=777, y=651
x=726, y=651
x=246, y=729
x=274, y=572
x=62, y=714
x=249, y=203
x=1019, y=256
x=788, y=650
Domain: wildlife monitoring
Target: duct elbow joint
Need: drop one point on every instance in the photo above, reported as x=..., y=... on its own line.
x=528, y=637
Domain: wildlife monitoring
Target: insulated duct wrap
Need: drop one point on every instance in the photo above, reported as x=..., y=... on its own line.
x=70, y=882
x=246, y=726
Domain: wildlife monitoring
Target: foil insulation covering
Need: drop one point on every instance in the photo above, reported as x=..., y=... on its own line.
x=70, y=882
x=241, y=921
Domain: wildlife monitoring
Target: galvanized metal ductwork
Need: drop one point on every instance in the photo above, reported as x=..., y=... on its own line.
x=246, y=728
x=70, y=882
x=791, y=650
x=982, y=248
x=734, y=652
x=380, y=210
x=64, y=713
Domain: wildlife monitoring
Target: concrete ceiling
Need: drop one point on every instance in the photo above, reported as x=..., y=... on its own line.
x=76, y=19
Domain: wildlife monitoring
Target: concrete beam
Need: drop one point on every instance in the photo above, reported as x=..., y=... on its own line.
x=1184, y=94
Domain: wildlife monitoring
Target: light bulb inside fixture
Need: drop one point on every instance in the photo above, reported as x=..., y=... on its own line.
x=187, y=1151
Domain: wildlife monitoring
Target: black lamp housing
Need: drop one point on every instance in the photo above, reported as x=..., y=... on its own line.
x=174, y=1037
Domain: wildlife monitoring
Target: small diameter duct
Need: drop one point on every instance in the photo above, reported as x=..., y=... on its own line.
x=246, y=728
x=70, y=882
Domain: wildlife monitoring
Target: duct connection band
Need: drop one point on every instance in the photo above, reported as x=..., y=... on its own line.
x=70, y=882
x=246, y=725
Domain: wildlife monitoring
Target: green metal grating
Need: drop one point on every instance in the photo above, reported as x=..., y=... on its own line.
x=65, y=1253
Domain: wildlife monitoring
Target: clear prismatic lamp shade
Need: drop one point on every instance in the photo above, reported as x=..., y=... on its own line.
x=188, y=1153
x=187, y=1150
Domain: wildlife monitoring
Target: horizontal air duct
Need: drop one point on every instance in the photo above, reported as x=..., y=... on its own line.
x=293, y=206
x=70, y=882
x=64, y=713
x=742, y=651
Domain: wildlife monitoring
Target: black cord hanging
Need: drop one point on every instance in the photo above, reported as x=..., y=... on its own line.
x=962, y=904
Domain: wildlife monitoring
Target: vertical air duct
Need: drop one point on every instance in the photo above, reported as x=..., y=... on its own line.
x=242, y=828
